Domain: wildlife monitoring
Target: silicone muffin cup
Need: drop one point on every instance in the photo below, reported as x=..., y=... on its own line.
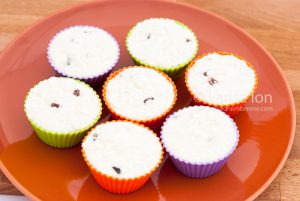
x=94, y=81
x=231, y=109
x=120, y=185
x=153, y=123
x=199, y=170
x=174, y=72
x=62, y=140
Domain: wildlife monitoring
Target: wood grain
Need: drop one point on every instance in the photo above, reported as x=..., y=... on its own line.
x=274, y=23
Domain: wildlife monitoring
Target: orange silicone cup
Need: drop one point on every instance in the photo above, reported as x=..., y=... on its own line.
x=153, y=123
x=230, y=109
x=121, y=185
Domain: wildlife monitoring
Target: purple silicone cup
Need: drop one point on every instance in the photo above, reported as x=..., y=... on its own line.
x=94, y=81
x=199, y=170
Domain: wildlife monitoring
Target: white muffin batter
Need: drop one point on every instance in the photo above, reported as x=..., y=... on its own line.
x=162, y=42
x=199, y=134
x=221, y=79
x=83, y=51
x=122, y=149
x=140, y=93
x=62, y=105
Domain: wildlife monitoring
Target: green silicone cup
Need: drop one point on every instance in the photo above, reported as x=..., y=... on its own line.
x=174, y=72
x=63, y=140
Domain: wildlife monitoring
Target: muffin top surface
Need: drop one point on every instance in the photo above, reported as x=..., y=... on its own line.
x=140, y=93
x=122, y=149
x=62, y=105
x=161, y=42
x=221, y=79
x=199, y=134
x=83, y=51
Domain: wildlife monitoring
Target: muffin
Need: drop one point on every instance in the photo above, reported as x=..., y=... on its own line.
x=221, y=80
x=122, y=155
x=140, y=94
x=199, y=140
x=83, y=52
x=61, y=110
x=163, y=44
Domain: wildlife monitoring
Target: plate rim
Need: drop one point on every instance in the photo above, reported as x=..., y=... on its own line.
x=268, y=181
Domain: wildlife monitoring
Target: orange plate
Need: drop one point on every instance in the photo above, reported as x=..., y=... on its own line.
x=46, y=173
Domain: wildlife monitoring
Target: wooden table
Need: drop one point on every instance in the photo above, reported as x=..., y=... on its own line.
x=274, y=23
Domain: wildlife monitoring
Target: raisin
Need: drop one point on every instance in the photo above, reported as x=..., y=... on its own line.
x=95, y=135
x=212, y=81
x=76, y=92
x=68, y=63
x=55, y=105
x=118, y=170
x=150, y=98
